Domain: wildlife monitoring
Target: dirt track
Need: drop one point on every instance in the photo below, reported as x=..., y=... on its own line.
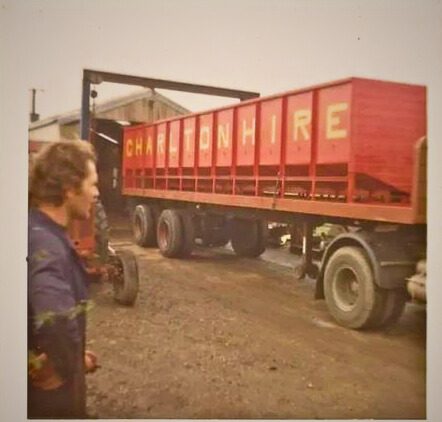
x=217, y=336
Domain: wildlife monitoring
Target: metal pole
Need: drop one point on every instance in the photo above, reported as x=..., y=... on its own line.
x=33, y=116
x=33, y=100
x=85, y=108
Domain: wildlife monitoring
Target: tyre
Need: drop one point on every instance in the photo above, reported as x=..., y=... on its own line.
x=125, y=279
x=170, y=233
x=249, y=237
x=218, y=239
x=394, y=306
x=352, y=296
x=101, y=226
x=213, y=232
x=300, y=270
x=188, y=235
x=143, y=225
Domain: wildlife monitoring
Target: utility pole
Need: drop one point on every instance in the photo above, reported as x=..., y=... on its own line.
x=33, y=116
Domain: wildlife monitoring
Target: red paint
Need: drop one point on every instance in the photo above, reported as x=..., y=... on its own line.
x=350, y=141
x=270, y=132
x=161, y=145
x=246, y=135
x=174, y=144
x=188, y=142
x=224, y=138
x=205, y=142
x=334, y=131
x=299, y=128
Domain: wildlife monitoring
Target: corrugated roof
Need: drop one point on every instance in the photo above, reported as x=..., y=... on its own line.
x=74, y=116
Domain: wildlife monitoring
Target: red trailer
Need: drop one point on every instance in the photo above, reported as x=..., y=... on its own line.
x=350, y=154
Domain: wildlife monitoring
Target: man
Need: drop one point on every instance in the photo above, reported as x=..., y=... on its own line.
x=62, y=188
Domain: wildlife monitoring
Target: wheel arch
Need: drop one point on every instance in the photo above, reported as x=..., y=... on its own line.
x=347, y=239
x=390, y=261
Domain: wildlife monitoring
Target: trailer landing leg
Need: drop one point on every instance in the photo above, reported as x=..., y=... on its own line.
x=306, y=266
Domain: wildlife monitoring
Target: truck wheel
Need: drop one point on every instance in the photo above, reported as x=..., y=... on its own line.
x=395, y=301
x=218, y=239
x=101, y=226
x=143, y=224
x=125, y=278
x=188, y=228
x=249, y=237
x=213, y=234
x=170, y=233
x=351, y=295
x=300, y=270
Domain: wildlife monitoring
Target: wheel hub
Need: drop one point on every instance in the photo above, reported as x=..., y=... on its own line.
x=137, y=227
x=346, y=289
x=163, y=235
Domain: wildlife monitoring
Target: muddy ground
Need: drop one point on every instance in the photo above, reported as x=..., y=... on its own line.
x=217, y=336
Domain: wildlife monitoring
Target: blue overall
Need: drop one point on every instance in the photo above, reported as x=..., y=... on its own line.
x=57, y=288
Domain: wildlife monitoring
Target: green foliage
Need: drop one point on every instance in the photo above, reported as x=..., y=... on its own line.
x=44, y=318
x=49, y=317
x=40, y=255
x=33, y=362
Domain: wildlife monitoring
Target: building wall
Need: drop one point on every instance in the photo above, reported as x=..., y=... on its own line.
x=143, y=110
x=70, y=131
x=47, y=133
x=139, y=110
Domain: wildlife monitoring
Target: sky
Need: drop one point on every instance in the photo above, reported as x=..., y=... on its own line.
x=268, y=46
x=265, y=46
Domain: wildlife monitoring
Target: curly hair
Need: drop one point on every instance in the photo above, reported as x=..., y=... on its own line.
x=57, y=167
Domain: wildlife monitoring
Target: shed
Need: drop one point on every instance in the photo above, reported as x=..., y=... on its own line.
x=107, y=121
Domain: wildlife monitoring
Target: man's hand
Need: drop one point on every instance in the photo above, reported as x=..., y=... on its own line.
x=90, y=362
x=43, y=374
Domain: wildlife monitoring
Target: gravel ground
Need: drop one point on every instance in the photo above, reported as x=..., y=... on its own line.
x=217, y=336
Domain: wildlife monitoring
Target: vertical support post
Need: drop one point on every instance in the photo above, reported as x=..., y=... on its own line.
x=181, y=153
x=307, y=244
x=167, y=152
x=85, y=109
x=419, y=191
x=33, y=100
x=351, y=184
x=234, y=148
x=196, y=154
x=314, y=143
x=214, y=149
x=306, y=264
x=284, y=141
x=154, y=149
x=257, y=147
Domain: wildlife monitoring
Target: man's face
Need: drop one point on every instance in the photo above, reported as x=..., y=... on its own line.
x=79, y=202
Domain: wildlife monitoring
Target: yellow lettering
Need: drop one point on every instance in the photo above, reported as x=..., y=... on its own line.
x=273, y=140
x=173, y=148
x=129, y=148
x=149, y=146
x=160, y=143
x=246, y=132
x=301, y=120
x=138, y=146
x=223, y=136
x=188, y=132
x=204, y=138
x=333, y=121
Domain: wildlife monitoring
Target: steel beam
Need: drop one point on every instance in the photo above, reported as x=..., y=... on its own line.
x=355, y=211
x=85, y=108
x=96, y=77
